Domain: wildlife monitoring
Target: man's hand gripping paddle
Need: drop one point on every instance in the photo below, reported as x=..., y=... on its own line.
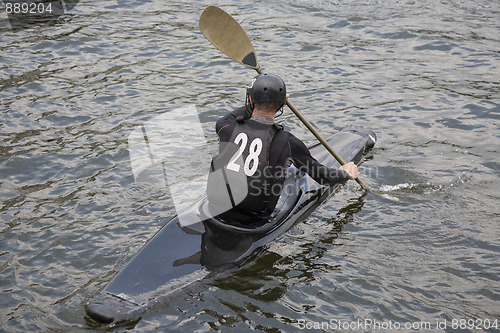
x=222, y=30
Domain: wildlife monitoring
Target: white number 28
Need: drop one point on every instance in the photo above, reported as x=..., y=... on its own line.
x=252, y=160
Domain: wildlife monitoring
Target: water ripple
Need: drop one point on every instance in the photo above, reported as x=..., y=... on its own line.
x=423, y=75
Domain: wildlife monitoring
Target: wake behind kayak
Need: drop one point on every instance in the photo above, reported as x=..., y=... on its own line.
x=195, y=245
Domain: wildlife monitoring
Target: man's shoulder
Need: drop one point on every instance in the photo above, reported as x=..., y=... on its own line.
x=225, y=120
x=296, y=143
x=286, y=133
x=285, y=137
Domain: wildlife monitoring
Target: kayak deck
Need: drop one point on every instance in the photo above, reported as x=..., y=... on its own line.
x=194, y=245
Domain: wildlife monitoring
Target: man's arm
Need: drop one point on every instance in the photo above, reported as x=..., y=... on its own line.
x=304, y=161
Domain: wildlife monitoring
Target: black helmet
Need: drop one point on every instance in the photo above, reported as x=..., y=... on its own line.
x=267, y=88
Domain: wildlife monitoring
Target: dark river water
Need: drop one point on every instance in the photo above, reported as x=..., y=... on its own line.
x=424, y=75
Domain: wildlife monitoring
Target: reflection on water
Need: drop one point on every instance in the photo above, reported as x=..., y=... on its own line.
x=422, y=75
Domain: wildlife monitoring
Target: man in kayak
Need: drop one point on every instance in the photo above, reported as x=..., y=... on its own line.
x=247, y=176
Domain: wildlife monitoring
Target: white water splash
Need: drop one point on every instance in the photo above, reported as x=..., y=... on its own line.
x=391, y=188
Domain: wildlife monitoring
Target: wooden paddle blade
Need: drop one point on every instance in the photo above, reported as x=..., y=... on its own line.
x=228, y=36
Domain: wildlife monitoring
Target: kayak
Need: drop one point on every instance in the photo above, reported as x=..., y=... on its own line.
x=196, y=245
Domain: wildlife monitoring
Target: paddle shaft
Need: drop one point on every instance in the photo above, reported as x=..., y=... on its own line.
x=320, y=138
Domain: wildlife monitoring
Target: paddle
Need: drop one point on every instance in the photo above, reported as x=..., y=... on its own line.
x=222, y=30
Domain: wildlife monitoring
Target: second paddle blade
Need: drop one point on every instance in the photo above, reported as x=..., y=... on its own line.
x=228, y=36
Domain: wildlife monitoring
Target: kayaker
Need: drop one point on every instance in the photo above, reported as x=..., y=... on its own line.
x=247, y=176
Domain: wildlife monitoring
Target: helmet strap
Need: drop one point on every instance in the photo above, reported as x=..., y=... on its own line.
x=248, y=102
x=280, y=110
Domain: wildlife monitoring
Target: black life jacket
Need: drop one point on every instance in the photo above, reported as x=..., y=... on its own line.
x=241, y=179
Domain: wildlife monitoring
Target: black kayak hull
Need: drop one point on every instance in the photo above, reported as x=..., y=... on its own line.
x=193, y=246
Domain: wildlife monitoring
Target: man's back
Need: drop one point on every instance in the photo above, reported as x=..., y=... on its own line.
x=260, y=151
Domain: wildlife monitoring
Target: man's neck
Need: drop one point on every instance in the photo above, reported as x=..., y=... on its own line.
x=263, y=118
x=258, y=112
